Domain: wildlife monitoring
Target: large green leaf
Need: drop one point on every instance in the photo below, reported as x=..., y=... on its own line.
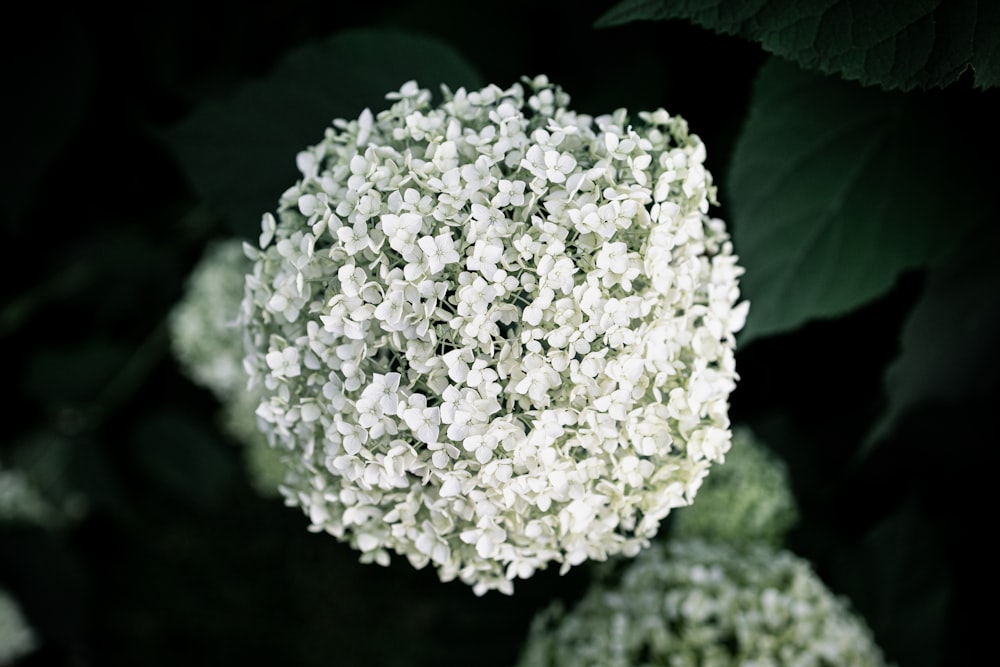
x=836, y=189
x=904, y=45
x=948, y=348
x=240, y=152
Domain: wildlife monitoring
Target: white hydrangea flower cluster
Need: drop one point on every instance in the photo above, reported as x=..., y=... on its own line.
x=748, y=499
x=495, y=333
x=703, y=604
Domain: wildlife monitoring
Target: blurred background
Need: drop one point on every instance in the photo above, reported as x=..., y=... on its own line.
x=130, y=533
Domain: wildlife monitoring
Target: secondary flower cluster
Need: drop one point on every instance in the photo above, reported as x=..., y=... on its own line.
x=749, y=499
x=204, y=325
x=35, y=485
x=20, y=500
x=702, y=604
x=495, y=333
x=208, y=343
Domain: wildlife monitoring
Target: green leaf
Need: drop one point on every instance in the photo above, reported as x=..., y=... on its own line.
x=836, y=189
x=948, y=348
x=72, y=375
x=50, y=84
x=897, y=45
x=898, y=579
x=239, y=152
x=181, y=456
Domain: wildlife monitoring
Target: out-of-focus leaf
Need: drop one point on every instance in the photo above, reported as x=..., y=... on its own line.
x=949, y=343
x=181, y=456
x=897, y=578
x=72, y=375
x=240, y=152
x=897, y=45
x=836, y=190
x=47, y=82
x=48, y=582
x=93, y=473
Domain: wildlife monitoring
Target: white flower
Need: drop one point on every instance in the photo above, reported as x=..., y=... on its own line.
x=550, y=165
x=495, y=334
x=284, y=363
x=509, y=193
x=696, y=603
x=439, y=251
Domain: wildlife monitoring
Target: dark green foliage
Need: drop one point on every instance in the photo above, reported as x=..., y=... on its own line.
x=834, y=193
x=896, y=45
x=898, y=579
x=948, y=347
x=264, y=125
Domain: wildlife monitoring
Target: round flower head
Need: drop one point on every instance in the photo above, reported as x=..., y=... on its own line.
x=699, y=604
x=746, y=499
x=495, y=333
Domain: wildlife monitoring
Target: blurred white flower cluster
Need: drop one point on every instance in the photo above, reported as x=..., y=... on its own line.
x=35, y=484
x=20, y=500
x=207, y=342
x=17, y=639
x=702, y=604
x=204, y=328
x=749, y=499
x=495, y=333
